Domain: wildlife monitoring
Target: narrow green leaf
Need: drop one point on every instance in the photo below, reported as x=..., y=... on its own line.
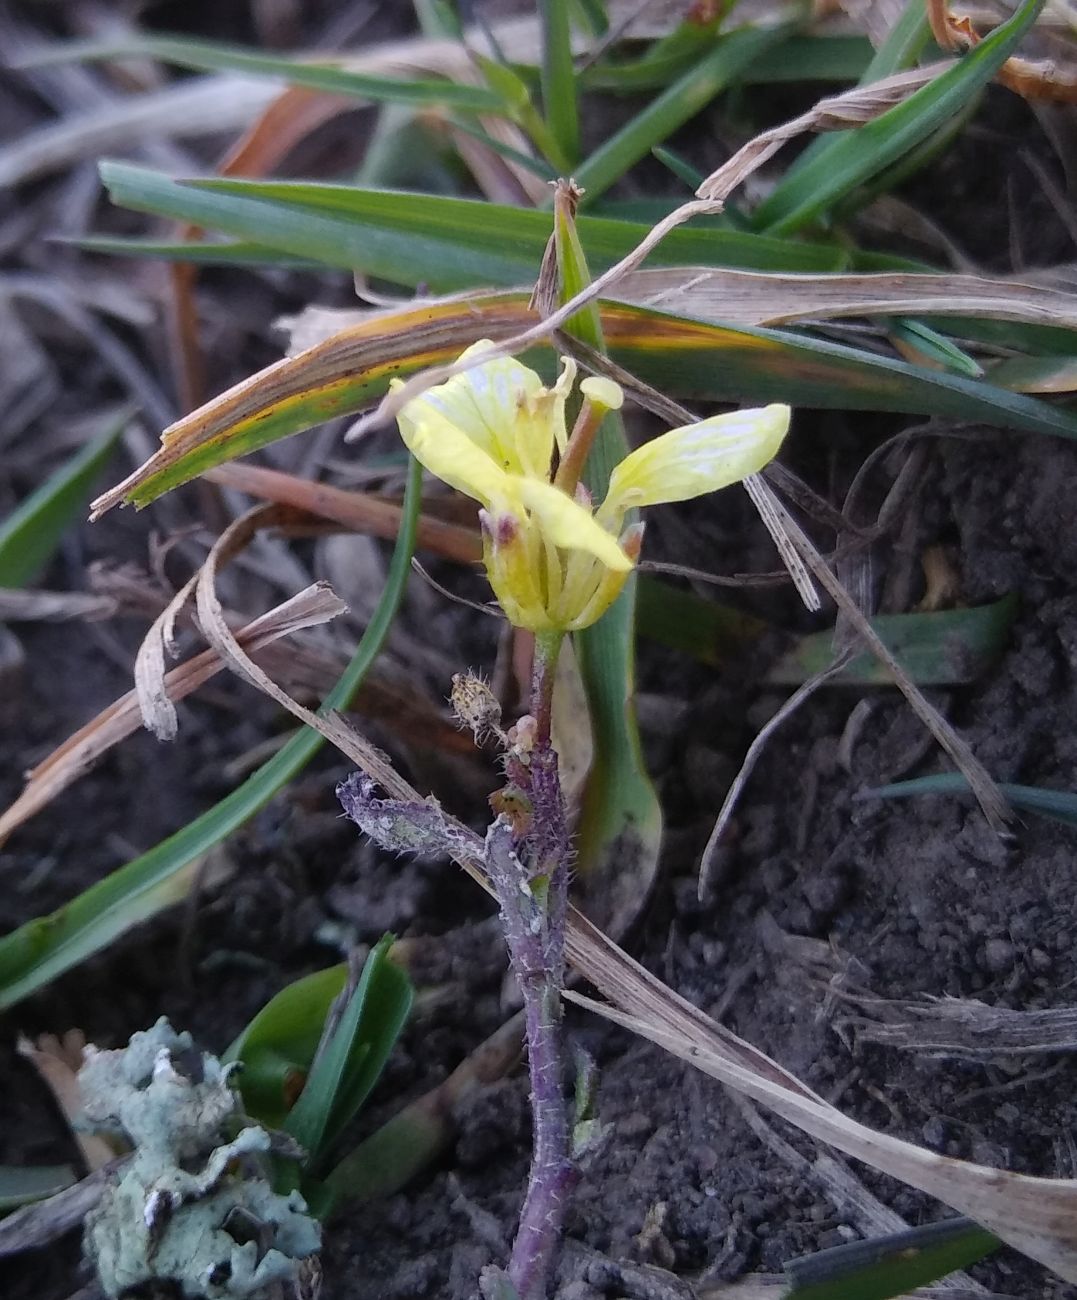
x=537, y=166
x=621, y=819
x=414, y=239
x=943, y=648
x=680, y=167
x=858, y=155
x=678, y=104
x=1055, y=374
x=799, y=58
x=30, y=535
x=662, y=62
x=767, y=365
x=45, y=947
x=1058, y=805
x=279, y=1043
x=559, y=103
x=347, y=1070
x=811, y=58
x=936, y=346
x=438, y=20
x=22, y=1184
x=889, y=1266
x=210, y=56
x=593, y=15
x=904, y=46
x=231, y=252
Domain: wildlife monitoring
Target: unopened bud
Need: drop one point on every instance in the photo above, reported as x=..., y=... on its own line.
x=631, y=541
x=522, y=738
x=603, y=392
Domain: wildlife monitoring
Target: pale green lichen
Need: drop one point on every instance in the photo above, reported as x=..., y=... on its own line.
x=190, y=1207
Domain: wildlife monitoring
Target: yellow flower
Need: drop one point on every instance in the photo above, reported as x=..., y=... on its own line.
x=553, y=562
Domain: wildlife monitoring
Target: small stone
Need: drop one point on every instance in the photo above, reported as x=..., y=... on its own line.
x=1040, y=960
x=998, y=955
x=934, y=1132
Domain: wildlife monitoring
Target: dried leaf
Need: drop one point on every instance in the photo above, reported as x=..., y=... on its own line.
x=963, y=1027
x=57, y=1061
x=20, y=606
x=835, y=113
x=79, y=752
x=358, y=510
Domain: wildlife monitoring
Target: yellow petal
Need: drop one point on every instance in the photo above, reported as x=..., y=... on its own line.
x=696, y=459
x=486, y=404
x=606, y=593
x=439, y=446
x=553, y=408
x=568, y=525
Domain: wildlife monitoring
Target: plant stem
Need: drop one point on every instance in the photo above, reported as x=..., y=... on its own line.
x=529, y=865
x=536, y=951
x=543, y=676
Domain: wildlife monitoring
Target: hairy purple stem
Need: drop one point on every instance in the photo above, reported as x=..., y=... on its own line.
x=537, y=954
x=529, y=865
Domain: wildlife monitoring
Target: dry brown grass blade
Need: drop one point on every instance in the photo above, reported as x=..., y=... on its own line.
x=20, y=606
x=755, y=750
x=757, y=298
x=200, y=106
x=961, y=1027
x=835, y=113
x=358, y=510
x=318, y=604
x=81, y=751
x=1037, y=1216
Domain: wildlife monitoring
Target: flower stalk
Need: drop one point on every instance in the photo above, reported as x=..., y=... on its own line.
x=557, y=561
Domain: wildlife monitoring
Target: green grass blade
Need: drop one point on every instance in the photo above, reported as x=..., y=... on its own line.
x=889, y=1266
x=858, y=155
x=933, y=345
x=232, y=252
x=47, y=946
x=347, y=1070
x=559, y=104
x=210, y=56
x=23, y=1184
x=593, y=15
x=414, y=239
x=676, y=105
x=1058, y=805
x=620, y=827
x=800, y=58
x=811, y=58
x=30, y=535
x=662, y=62
x=942, y=648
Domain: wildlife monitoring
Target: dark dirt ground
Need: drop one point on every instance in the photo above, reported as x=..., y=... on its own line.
x=817, y=894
